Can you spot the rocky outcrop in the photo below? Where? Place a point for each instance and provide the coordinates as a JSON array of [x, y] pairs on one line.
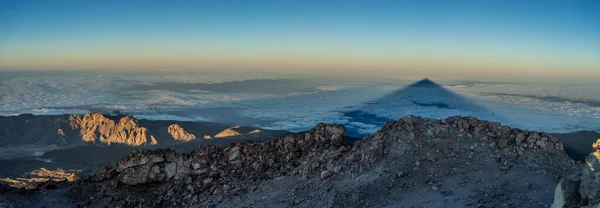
[[582, 190], [566, 194], [32, 179], [230, 132], [179, 134], [329, 134], [95, 127], [590, 178], [403, 155]]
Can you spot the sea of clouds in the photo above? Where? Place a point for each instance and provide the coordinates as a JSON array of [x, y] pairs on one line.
[[278, 102]]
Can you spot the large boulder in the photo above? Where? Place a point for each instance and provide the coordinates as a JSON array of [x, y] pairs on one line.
[[567, 194], [328, 133]]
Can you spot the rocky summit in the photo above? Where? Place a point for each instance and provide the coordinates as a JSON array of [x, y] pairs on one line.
[[410, 162]]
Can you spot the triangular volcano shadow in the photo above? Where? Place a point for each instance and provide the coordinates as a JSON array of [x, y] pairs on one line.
[[423, 98]]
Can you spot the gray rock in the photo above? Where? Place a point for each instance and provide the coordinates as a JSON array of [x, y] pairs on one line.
[[566, 194], [170, 169], [520, 138], [503, 142], [540, 144], [326, 174], [533, 138], [234, 153], [590, 181], [325, 133]]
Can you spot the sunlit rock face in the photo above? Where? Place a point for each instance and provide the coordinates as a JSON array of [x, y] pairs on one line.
[[31, 179], [179, 134], [94, 127], [228, 132], [590, 178]]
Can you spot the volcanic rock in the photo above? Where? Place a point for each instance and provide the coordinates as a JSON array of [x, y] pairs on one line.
[[567, 194], [230, 132], [299, 170], [590, 181], [179, 134], [95, 127]]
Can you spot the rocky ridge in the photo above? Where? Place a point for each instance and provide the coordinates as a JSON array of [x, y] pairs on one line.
[[41, 175], [228, 132], [179, 134], [458, 161], [95, 127]]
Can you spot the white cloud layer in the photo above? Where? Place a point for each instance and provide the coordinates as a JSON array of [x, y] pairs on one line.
[[545, 108]]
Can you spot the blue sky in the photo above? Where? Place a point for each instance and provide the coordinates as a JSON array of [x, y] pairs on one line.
[[389, 37]]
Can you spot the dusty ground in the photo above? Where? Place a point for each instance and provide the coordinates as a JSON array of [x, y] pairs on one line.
[[481, 182]]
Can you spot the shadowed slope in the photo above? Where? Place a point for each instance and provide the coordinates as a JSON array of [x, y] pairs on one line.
[[422, 98]]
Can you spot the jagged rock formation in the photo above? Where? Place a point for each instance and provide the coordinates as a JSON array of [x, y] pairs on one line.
[[454, 162], [179, 134], [66, 130], [590, 181], [94, 127], [35, 177], [230, 132]]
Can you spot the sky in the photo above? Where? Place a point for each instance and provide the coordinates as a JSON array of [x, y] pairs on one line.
[[502, 40]]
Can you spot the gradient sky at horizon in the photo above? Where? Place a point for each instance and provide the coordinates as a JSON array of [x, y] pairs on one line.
[[466, 39]]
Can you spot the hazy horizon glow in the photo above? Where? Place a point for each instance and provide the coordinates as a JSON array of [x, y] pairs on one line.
[[503, 39]]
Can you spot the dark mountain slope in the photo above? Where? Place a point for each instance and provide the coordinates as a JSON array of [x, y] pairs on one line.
[[455, 162]]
